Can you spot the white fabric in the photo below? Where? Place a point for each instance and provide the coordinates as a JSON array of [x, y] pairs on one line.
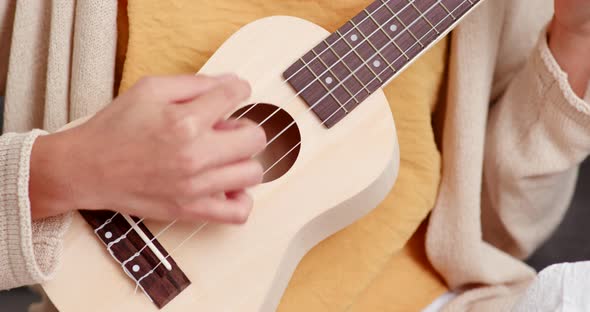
[[440, 302], [558, 288]]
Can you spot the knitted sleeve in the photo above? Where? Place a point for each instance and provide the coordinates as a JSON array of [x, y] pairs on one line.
[[29, 251], [538, 134]]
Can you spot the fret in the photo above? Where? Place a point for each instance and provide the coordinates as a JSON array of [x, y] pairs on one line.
[[415, 20], [345, 64], [377, 50], [433, 12], [309, 89], [398, 45], [355, 62], [425, 18], [382, 15], [317, 78], [401, 50], [355, 50], [381, 47], [394, 15], [457, 7], [419, 24], [332, 71], [336, 77], [406, 13], [447, 9], [349, 69], [370, 49]]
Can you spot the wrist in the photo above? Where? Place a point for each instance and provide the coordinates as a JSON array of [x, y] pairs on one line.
[[571, 48], [50, 187]]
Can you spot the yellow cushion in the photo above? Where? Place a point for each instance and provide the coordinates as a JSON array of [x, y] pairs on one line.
[[368, 266]]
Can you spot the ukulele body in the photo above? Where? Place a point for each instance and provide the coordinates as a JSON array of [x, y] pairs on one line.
[[338, 176]]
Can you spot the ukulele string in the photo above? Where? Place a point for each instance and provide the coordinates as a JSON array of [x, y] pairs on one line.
[[329, 47], [291, 99], [295, 96], [115, 214], [122, 237], [259, 247], [113, 255], [152, 240], [167, 227], [195, 232], [410, 2], [437, 24], [377, 53], [202, 226], [252, 62], [198, 229], [361, 90], [340, 59], [105, 223]]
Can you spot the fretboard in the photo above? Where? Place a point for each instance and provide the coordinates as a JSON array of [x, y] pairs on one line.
[[368, 51]]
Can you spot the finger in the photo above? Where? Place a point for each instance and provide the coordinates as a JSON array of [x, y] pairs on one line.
[[177, 89], [231, 124], [216, 104], [229, 146], [233, 209], [236, 176]]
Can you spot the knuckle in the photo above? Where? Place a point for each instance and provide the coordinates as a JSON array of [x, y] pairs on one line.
[[241, 213], [253, 139], [259, 138], [213, 212], [246, 90], [197, 211], [182, 127], [177, 207], [236, 91], [170, 117], [256, 173], [229, 93]]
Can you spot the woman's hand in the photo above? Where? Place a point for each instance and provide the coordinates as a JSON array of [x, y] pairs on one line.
[[160, 150], [569, 41]]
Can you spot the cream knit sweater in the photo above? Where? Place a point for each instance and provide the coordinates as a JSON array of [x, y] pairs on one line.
[[59, 56], [514, 134]]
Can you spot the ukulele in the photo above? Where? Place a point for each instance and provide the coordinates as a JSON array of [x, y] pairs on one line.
[[331, 157]]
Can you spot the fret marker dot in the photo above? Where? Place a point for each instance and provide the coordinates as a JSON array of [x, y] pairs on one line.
[[329, 80], [354, 38], [108, 235], [393, 27], [135, 268], [376, 63]]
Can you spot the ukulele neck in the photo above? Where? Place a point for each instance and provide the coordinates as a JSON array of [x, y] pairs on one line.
[[368, 51]]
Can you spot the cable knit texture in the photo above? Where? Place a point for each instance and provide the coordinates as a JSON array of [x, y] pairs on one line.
[[59, 56], [30, 250]]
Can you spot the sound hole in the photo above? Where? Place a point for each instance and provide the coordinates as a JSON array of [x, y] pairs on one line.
[[280, 155]]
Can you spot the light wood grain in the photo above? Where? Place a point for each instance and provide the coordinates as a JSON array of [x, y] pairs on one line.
[[339, 176]]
